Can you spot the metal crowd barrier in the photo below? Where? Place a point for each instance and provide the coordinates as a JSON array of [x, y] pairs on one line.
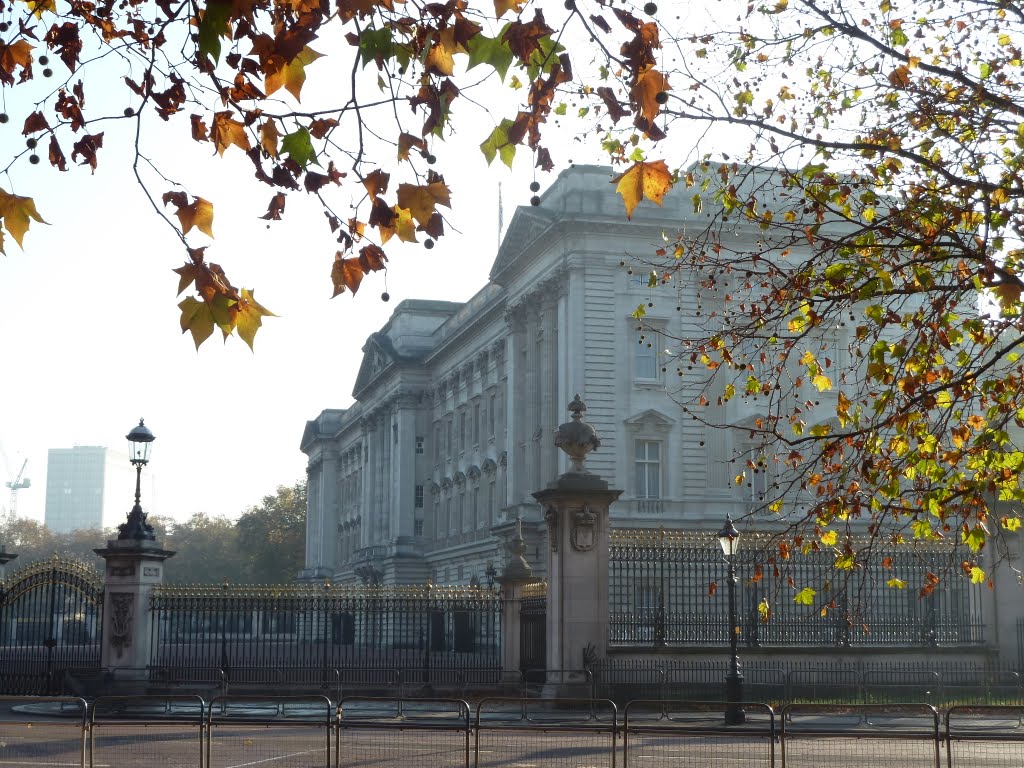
[[446, 733], [678, 734]]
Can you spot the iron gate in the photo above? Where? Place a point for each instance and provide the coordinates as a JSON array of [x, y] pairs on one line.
[[533, 615], [50, 622]]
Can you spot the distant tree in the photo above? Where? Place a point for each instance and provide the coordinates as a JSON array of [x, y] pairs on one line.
[[206, 551], [32, 541], [272, 535]]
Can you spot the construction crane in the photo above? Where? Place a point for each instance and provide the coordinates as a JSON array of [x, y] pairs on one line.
[[19, 482]]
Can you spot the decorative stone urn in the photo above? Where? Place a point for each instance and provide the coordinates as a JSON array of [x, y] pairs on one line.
[[577, 438]]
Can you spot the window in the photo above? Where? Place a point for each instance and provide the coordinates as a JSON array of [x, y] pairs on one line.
[[646, 363], [419, 445], [450, 446], [462, 431], [417, 528], [648, 469], [492, 418], [476, 423], [419, 497]]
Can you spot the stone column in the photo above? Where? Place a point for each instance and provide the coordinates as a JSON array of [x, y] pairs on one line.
[[133, 568], [576, 511]]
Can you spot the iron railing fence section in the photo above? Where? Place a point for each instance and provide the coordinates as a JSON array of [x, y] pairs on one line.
[[331, 627], [664, 592]]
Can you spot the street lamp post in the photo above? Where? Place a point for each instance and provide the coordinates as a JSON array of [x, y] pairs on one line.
[[136, 527], [729, 538]]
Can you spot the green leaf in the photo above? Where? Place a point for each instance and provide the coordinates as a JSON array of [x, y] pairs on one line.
[[498, 144], [490, 50], [376, 45], [299, 147], [974, 539], [212, 27]]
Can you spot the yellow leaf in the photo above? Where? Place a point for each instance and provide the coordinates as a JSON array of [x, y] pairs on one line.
[[197, 317], [822, 382], [805, 596], [269, 136], [764, 610], [645, 92], [896, 583], [503, 6], [292, 75], [249, 318], [440, 59], [421, 200], [644, 180], [1011, 523], [829, 538], [16, 212], [404, 225], [977, 575]]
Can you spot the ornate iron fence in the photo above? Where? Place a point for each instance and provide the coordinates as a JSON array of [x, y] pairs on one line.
[[50, 622], [240, 628], [664, 591]]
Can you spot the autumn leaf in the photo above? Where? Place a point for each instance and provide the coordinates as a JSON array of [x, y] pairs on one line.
[[249, 317], [376, 183], [196, 318], [17, 213], [421, 200], [406, 141], [644, 180], [645, 92], [501, 7], [805, 596], [16, 54], [290, 75], [198, 213], [227, 131], [441, 56], [404, 226], [346, 273], [269, 137]]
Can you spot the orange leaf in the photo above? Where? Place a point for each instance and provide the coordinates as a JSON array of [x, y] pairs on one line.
[[16, 212], [645, 92], [440, 58], [406, 142], [346, 273], [501, 7], [643, 180], [376, 183], [227, 131], [17, 54], [269, 136], [198, 213]]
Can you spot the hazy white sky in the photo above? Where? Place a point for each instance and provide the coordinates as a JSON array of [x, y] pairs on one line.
[[90, 342]]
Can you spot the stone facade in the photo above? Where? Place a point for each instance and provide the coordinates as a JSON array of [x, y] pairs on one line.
[[456, 404]]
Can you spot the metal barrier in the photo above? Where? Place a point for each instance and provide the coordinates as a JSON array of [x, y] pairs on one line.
[[559, 683], [43, 731], [902, 687], [367, 730], [569, 733], [658, 733], [984, 736], [904, 735], [129, 730], [284, 730]]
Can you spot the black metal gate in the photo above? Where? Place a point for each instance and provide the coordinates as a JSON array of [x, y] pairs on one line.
[[533, 619], [50, 622]]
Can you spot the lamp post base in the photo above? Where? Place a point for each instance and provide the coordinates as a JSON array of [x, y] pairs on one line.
[[734, 714]]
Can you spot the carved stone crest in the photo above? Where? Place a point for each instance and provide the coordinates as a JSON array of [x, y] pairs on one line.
[[121, 621], [583, 533]]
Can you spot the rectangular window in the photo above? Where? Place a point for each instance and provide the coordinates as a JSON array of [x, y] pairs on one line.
[[478, 513], [417, 528], [648, 469], [419, 445], [462, 431], [476, 423], [437, 442], [492, 418], [450, 446], [419, 497], [646, 365]]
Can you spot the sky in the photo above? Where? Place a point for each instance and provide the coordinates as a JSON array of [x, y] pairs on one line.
[[90, 341]]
